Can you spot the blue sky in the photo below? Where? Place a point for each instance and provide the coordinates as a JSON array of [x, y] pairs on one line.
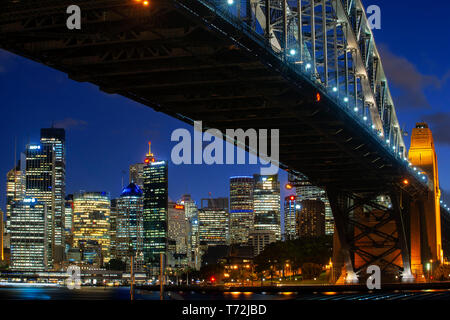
[[106, 133]]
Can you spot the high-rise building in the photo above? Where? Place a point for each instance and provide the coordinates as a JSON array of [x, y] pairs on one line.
[[311, 220], [178, 227], [15, 189], [307, 191], [91, 220], [130, 225], [155, 209], [266, 204], [28, 235], [68, 215], [137, 174], [241, 209], [213, 226], [113, 229], [55, 138], [190, 207], [39, 184], [292, 209]]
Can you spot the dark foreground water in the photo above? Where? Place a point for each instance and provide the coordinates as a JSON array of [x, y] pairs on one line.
[[123, 293]]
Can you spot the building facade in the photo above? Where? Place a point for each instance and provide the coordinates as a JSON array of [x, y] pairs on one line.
[[178, 227], [213, 226], [91, 220], [28, 230], [266, 204], [311, 220], [292, 208], [241, 209], [155, 209], [130, 225]]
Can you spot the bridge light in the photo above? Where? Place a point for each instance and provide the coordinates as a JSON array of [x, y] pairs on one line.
[[335, 89], [388, 141], [415, 169], [406, 182], [356, 109], [373, 127], [365, 118], [308, 66], [345, 99], [293, 52], [230, 2], [380, 134], [441, 201]]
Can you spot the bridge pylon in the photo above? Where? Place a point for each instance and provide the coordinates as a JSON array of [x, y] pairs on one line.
[[426, 239]]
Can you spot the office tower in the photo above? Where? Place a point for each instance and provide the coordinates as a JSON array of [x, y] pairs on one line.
[[311, 220], [91, 214], [266, 204], [28, 235], [113, 229], [241, 209], [259, 239], [190, 207], [39, 184], [15, 189], [155, 209], [292, 209], [55, 138], [213, 226], [137, 174], [306, 191], [178, 227], [130, 225], [68, 214]]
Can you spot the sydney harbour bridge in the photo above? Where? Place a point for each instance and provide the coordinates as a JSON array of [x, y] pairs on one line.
[[309, 68]]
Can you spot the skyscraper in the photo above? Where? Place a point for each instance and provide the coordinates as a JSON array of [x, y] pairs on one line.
[[178, 227], [15, 189], [40, 166], [129, 225], [292, 209], [28, 235], [213, 226], [307, 191], [155, 209], [266, 195], [55, 138], [68, 215], [190, 207], [241, 209], [311, 220], [91, 220]]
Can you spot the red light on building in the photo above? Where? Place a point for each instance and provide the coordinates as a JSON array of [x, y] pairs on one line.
[[292, 198], [289, 186], [147, 160], [212, 279], [405, 182], [179, 206], [153, 159]]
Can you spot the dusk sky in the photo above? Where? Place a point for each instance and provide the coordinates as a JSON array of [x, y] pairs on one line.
[[107, 133]]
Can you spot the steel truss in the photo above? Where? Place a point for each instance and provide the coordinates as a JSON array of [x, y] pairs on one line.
[[332, 40], [373, 229]]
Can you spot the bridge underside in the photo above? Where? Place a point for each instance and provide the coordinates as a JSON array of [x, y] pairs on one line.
[[202, 68], [179, 58]]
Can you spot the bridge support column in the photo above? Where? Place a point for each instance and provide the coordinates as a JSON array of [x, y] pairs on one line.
[[342, 251]]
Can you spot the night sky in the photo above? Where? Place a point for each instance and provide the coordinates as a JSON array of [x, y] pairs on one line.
[[107, 133]]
